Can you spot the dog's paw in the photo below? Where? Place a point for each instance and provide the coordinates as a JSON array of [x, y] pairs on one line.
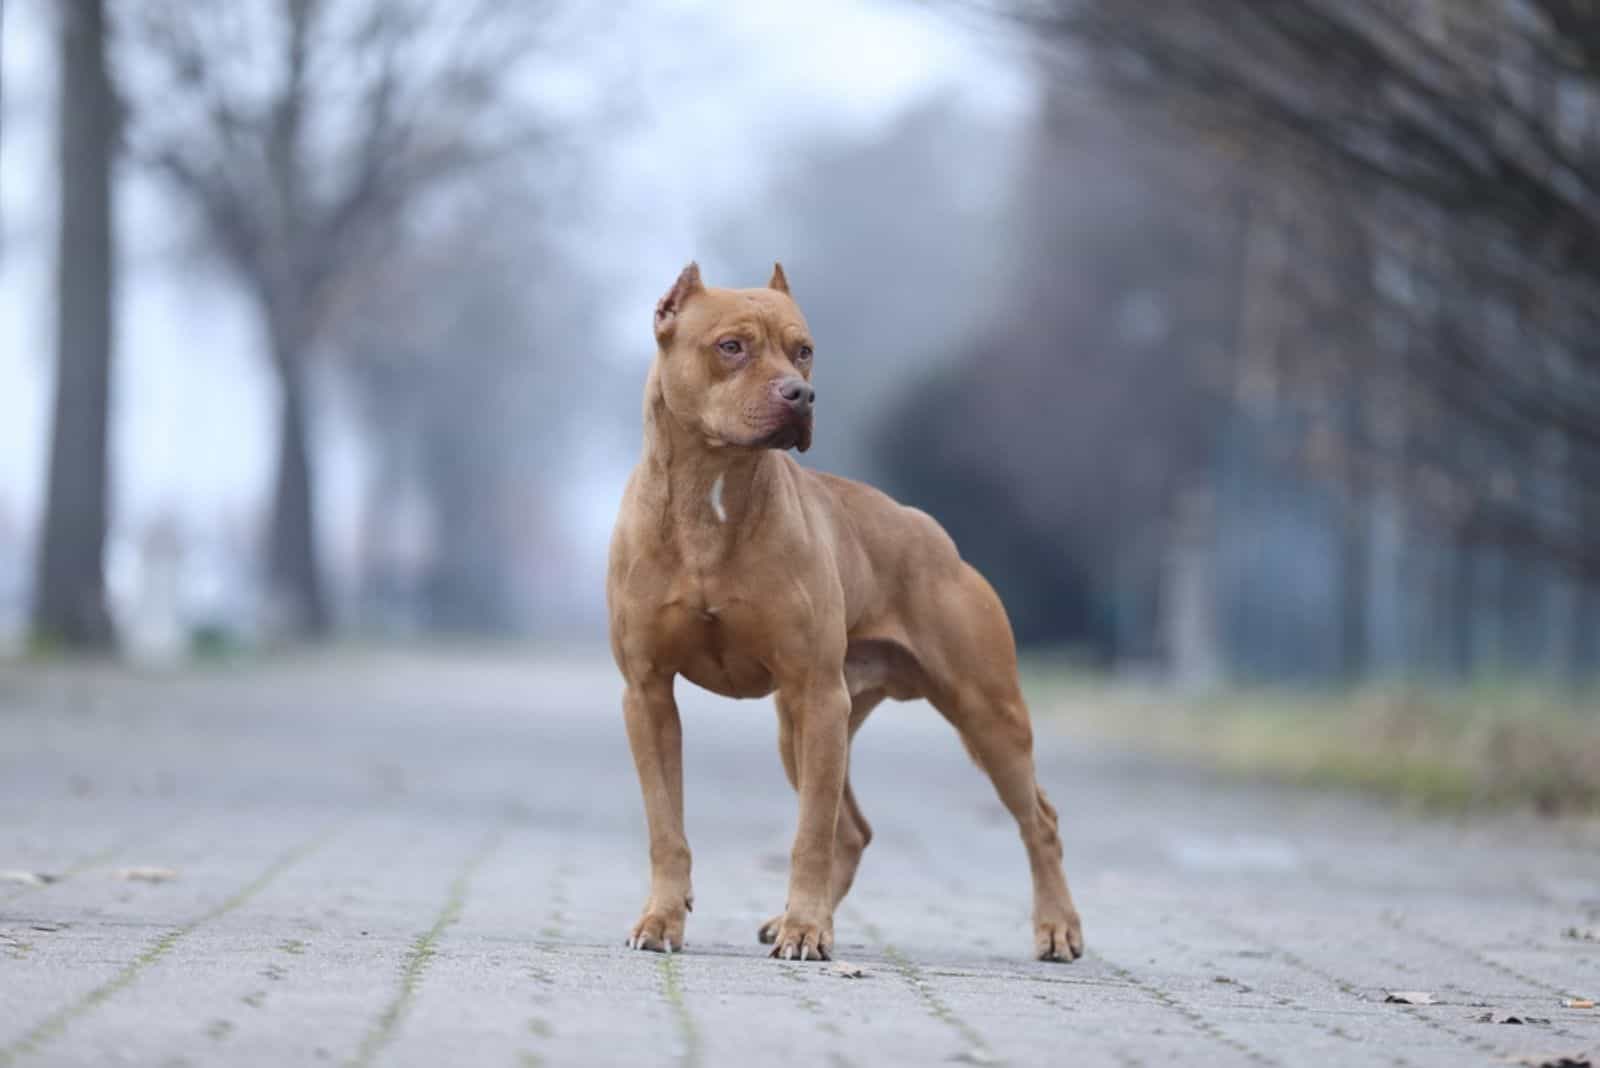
[[767, 933], [1059, 936], [796, 939], [658, 931]]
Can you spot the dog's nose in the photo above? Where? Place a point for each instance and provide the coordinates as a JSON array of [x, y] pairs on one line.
[[797, 393]]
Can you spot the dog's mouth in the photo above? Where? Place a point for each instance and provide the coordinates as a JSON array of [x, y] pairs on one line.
[[792, 434], [781, 430]]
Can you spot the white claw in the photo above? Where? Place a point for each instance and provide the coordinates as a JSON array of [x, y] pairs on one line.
[[805, 952], [788, 952], [668, 943]]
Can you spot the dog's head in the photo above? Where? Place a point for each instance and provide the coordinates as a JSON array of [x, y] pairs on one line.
[[735, 364]]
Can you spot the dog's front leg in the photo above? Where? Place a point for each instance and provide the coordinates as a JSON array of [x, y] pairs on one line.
[[656, 737], [814, 719]]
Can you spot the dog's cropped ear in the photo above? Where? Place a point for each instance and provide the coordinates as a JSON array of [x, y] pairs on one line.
[[670, 306], [779, 281]]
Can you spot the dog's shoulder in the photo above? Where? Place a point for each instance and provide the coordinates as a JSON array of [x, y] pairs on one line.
[[847, 491], [885, 523]]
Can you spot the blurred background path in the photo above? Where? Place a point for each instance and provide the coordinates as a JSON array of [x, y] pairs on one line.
[[383, 858]]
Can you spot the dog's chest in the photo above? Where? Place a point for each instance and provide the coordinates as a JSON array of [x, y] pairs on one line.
[[714, 639]]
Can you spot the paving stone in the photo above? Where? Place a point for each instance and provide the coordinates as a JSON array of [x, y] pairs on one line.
[[432, 859]]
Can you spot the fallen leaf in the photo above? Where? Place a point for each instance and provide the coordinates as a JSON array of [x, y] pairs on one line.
[[846, 970], [1578, 1003], [1583, 934], [1510, 1018], [1555, 1060], [146, 875], [48, 928], [1410, 997], [27, 878]]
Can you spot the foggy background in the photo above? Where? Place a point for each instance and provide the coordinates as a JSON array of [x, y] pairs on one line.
[[1237, 342]]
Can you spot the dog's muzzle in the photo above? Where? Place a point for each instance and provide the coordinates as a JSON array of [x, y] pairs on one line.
[[796, 397]]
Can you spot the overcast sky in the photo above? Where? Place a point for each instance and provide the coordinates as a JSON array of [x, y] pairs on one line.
[[723, 92]]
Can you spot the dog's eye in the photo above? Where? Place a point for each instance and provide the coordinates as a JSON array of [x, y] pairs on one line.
[[804, 355], [731, 347]]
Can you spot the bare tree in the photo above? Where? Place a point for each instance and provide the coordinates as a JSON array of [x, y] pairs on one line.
[[461, 352], [70, 604], [1466, 139], [301, 131], [2, 98], [1085, 403]]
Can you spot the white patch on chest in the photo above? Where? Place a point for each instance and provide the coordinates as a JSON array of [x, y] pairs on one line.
[[716, 501]]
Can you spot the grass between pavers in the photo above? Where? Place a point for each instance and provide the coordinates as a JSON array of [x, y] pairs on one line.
[[1485, 745], [683, 1019], [56, 1024], [423, 949]]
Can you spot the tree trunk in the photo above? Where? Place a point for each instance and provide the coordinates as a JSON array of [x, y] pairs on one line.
[[467, 591], [1464, 608], [1584, 620], [294, 579], [2, 103], [1354, 570], [70, 604]]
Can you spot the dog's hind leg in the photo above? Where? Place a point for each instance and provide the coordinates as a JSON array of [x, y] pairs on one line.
[[982, 699], [852, 833], [1000, 741]]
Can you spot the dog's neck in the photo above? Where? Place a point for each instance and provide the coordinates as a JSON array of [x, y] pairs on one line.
[[707, 491]]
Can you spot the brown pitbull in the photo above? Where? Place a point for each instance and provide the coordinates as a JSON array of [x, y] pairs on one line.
[[747, 574]]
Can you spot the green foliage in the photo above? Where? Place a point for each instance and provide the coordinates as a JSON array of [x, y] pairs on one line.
[[42, 644], [215, 642], [1496, 743]]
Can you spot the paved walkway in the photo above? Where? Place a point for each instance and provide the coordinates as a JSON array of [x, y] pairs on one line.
[[376, 859]]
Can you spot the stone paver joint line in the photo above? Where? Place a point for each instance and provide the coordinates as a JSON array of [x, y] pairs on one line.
[[56, 1024], [810, 1004], [1190, 1016], [672, 991], [387, 1025], [1344, 986], [465, 912], [1398, 923], [1401, 924], [932, 1003]]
